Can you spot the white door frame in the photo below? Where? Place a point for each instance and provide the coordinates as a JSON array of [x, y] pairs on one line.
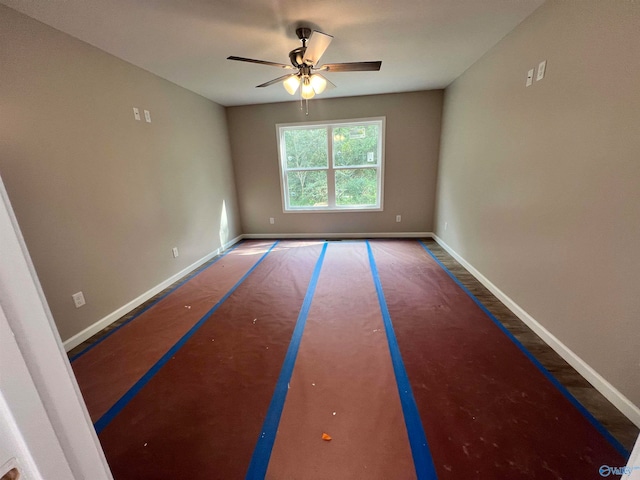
[[27, 440], [37, 338]]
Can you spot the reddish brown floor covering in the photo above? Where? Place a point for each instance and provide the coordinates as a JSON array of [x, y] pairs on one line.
[[487, 411], [343, 366], [108, 370], [200, 416]]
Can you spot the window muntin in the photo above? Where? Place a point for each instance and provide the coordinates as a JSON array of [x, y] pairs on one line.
[[351, 181]]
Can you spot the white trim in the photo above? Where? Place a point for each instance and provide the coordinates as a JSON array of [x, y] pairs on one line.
[[358, 209], [91, 330], [26, 429], [263, 236], [631, 411]]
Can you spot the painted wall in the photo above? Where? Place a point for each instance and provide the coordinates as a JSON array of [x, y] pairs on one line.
[[539, 187], [411, 158], [101, 198]]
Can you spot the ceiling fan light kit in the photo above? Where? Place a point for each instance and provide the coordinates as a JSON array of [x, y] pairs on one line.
[[291, 84], [319, 83], [307, 91], [305, 59]]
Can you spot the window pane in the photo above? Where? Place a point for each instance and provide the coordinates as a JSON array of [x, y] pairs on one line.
[[355, 145], [307, 188], [356, 186], [306, 147]]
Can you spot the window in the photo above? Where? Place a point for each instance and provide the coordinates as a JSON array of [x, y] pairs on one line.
[[332, 166]]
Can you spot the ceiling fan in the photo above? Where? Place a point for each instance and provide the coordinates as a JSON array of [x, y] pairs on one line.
[[305, 59]]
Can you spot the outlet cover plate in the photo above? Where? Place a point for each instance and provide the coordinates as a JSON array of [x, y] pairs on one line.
[[542, 67], [78, 299]]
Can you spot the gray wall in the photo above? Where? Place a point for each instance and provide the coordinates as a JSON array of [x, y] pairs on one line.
[[411, 158], [540, 186], [101, 199]]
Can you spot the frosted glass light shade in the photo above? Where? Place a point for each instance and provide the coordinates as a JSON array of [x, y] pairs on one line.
[[291, 84], [307, 90], [318, 83]]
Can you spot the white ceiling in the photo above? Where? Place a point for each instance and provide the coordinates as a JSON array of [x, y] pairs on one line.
[[423, 44]]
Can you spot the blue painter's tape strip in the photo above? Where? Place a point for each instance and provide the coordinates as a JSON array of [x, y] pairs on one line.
[[132, 392], [422, 459], [612, 440], [262, 453], [97, 342]]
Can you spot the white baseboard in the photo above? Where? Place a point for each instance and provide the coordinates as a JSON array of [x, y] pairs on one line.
[[321, 235], [91, 330], [631, 411]]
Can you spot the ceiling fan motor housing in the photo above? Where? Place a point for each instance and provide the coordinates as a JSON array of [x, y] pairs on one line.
[[296, 56]]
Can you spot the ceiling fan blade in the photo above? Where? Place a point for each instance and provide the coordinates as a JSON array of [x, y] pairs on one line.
[[352, 67], [260, 62], [318, 43], [276, 80]]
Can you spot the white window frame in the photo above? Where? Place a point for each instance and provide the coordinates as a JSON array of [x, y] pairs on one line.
[[331, 168]]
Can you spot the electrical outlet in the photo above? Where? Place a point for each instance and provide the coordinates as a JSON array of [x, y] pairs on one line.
[[174, 250], [147, 116], [446, 224], [272, 220], [78, 299], [136, 113], [398, 218]]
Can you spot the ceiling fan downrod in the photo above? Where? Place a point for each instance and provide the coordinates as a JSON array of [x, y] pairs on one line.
[[303, 34]]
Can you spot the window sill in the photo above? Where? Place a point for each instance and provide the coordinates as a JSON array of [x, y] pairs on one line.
[[334, 210]]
